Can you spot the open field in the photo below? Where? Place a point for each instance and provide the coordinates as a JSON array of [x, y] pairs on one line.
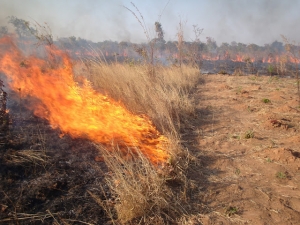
[[116, 113]]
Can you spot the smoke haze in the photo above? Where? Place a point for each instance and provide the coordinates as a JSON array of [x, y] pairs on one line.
[[256, 21]]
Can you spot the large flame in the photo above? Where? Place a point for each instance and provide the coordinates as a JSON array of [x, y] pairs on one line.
[[78, 110]]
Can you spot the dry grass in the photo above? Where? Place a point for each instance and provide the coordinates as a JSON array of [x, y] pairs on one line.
[[140, 189], [143, 191]]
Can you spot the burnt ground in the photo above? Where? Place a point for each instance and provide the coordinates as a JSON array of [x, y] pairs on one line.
[[257, 67], [45, 178]]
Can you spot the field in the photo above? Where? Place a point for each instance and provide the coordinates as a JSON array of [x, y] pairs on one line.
[[211, 149]]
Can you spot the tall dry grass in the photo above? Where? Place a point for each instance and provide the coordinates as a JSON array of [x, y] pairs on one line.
[[143, 190]]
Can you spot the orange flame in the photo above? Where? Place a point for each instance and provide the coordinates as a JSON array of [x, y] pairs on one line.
[[238, 58], [78, 110]]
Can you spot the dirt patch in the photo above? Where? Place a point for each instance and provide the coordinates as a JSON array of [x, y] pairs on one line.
[[248, 144], [280, 155]]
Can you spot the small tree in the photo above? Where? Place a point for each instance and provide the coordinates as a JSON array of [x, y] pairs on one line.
[[195, 57]]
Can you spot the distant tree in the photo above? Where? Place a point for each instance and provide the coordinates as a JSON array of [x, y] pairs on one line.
[[72, 39], [171, 46], [203, 47], [22, 27], [233, 44], [224, 46], [211, 44], [159, 42], [267, 47], [24, 30], [253, 47], [3, 31], [159, 30], [82, 42], [241, 47], [194, 47], [277, 46], [234, 47], [124, 44], [224, 50]]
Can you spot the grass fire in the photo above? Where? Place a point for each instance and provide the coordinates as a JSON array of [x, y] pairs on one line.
[[78, 110], [163, 124]]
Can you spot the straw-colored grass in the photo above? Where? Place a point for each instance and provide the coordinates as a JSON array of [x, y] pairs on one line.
[[142, 189]]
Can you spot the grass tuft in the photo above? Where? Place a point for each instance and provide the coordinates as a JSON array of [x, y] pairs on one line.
[[249, 134], [141, 188], [266, 100]]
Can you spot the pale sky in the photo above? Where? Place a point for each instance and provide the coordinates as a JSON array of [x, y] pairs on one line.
[[247, 21]]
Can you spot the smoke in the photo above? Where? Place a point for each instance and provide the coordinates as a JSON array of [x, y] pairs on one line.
[[256, 21]]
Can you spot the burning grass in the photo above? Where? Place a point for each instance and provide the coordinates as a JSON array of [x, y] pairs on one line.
[[165, 98], [143, 191], [134, 116], [79, 110]]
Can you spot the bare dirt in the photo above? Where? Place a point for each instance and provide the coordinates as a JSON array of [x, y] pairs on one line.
[[246, 137]]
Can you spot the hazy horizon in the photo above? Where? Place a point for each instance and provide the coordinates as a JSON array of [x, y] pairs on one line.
[[258, 22]]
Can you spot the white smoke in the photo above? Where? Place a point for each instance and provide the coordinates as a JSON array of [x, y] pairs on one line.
[[256, 21]]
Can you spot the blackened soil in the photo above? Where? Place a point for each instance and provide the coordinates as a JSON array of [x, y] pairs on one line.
[[46, 179]]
